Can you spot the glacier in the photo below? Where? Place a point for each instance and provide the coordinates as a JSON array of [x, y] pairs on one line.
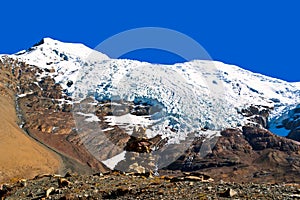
[[194, 95]]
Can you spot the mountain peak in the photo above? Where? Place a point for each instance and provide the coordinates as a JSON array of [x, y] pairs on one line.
[[46, 40], [49, 50]]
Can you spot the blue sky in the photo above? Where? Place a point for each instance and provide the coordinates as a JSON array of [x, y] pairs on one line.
[[256, 35]]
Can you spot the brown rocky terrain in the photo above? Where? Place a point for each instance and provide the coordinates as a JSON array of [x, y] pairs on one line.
[[118, 185], [20, 156], [19, 88], [251, 154], [41, 114]]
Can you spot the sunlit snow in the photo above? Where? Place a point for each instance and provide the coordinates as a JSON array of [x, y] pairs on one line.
[[202, 94]]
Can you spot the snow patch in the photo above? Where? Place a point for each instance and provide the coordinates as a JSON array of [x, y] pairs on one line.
[[128, 122], [25, 94], [91, 117], [113, 161]]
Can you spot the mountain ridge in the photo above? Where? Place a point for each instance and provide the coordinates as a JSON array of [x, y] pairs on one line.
[[51, 54]]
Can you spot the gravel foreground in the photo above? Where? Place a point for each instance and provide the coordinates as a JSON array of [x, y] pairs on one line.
[[116, 185]]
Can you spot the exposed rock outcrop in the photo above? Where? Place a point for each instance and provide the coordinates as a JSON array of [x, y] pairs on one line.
[[243, 155], [293, 124]]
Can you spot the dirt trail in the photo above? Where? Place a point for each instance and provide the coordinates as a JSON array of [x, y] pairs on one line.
[[21, 156], [67, 164]]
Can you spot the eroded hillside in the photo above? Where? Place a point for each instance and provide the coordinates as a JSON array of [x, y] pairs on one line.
[[20, 156]]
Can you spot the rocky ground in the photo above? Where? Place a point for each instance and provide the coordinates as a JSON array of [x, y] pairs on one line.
[[117, 185]]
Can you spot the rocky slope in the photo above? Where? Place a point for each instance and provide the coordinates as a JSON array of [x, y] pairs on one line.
[[251, 154], [39, 114], [20, 156]]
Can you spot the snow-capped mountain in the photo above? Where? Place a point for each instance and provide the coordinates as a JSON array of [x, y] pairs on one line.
[[136, 116], [193, 95]]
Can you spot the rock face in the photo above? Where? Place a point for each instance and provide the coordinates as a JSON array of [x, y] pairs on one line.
[[251, 154], [261, 139], [294, 134], [293, 124], [288, 123], [256, 115]]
